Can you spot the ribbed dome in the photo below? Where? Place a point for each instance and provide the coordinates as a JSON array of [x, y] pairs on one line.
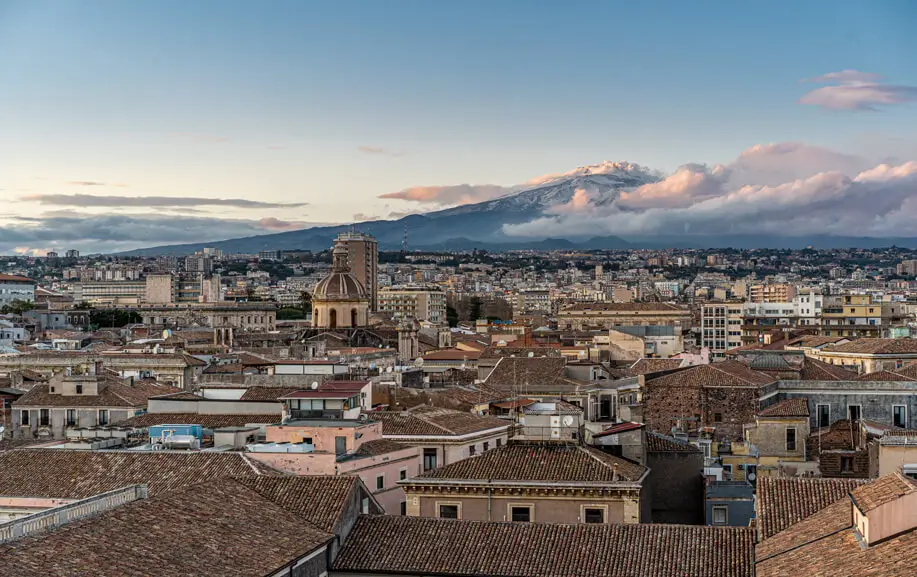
[[339, 286]]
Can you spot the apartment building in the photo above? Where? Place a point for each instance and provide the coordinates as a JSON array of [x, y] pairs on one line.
[[363, 257], [859, 315], [16, 288], [721, 327], [771, 293], [418, 302], [583, 316], [529, 301]]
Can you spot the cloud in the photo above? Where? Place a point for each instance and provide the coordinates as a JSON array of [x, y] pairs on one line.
[[378, 150], [86, 183], [89, 200], [271, 223], [450, 195], [855, 90], [360, 217], [876, 201], [396, 214]]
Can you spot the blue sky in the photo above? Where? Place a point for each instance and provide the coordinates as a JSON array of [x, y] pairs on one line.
[[335, 103]]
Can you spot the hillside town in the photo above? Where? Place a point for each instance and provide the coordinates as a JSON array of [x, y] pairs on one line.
[[355, 412]]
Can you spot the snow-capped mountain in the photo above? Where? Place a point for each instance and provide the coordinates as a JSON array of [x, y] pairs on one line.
[[603, 182], [477, 224]]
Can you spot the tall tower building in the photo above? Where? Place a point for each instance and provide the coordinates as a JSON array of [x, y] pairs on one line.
[[363, 258]]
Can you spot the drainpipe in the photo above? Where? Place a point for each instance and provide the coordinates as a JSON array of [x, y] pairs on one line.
[[490, 506]]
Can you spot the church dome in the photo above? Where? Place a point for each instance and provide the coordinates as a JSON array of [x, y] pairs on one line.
[[340, 285]]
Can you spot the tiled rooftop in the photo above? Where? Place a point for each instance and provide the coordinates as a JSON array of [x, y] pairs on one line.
[[875, 347], [540, 462], [881, 491], [208, 421], [221, 528], [427, 546], [76, 474], [424, 420], [658, 443], [787, 408], [722, 374], [784, 502]]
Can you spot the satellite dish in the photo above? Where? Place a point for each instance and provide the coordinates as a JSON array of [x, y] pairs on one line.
[[418, 362], [531, 354], [166, 334], [2, 430], [314, 385], [751, 477], [568, 420]]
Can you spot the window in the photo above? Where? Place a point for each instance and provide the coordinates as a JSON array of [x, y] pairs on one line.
[[103, 416], [79, 389], [727, 472], [593, 515], [44, 417], [717, 417], [471, 450], [899, 416], [429, 459], [846, 464], [853, 413], [824, 415], [380, 482], [365, 507], [486, 446], [448, 511], [499, 443], [404, 508], [720, 516], [71, 417], [307, 440], [24, 418], [520, 514], [402, 474], [791, 439]]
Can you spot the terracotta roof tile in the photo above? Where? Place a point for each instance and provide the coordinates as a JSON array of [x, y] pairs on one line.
[[224, 528], [646, 366], [657, 443], [320, 499], [875, 347], [883, 376], [112, 395], [380, 447], [425, 420], [75, 474], [208, 421], [881, 491], [722, 374], [548, 462], [816, 370], [787, 408], [826, 544], [418, 545], [784, 502]]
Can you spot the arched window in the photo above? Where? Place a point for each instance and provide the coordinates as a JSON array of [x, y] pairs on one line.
[[334, 319], [353, 318], [316, 320]]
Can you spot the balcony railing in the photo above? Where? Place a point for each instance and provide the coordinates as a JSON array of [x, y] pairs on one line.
[[57, 516], [317, 414]]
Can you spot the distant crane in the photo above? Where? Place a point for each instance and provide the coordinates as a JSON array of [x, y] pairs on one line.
[[404, 240]]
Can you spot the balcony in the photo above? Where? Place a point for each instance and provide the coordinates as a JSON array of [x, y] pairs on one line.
[[317, 414]]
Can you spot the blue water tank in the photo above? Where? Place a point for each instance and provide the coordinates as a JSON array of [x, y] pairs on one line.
[[156, 431]]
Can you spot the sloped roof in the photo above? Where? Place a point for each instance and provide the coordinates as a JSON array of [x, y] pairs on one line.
[[429, 546], [424, 420], [881, 491], [76, 474], [875, 347], [783, 502], [551, 462], [816, 370], [646, 366], [320, 499], [826, 544], [112, 395], [883, 376], [208, 421], [657, 443], [224, 528], [787, 408], [722, 374]]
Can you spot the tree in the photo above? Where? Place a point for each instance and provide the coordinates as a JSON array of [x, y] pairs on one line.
[[452, 317], [474, 310], [113, 318], [16, 307], [305, 301]]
